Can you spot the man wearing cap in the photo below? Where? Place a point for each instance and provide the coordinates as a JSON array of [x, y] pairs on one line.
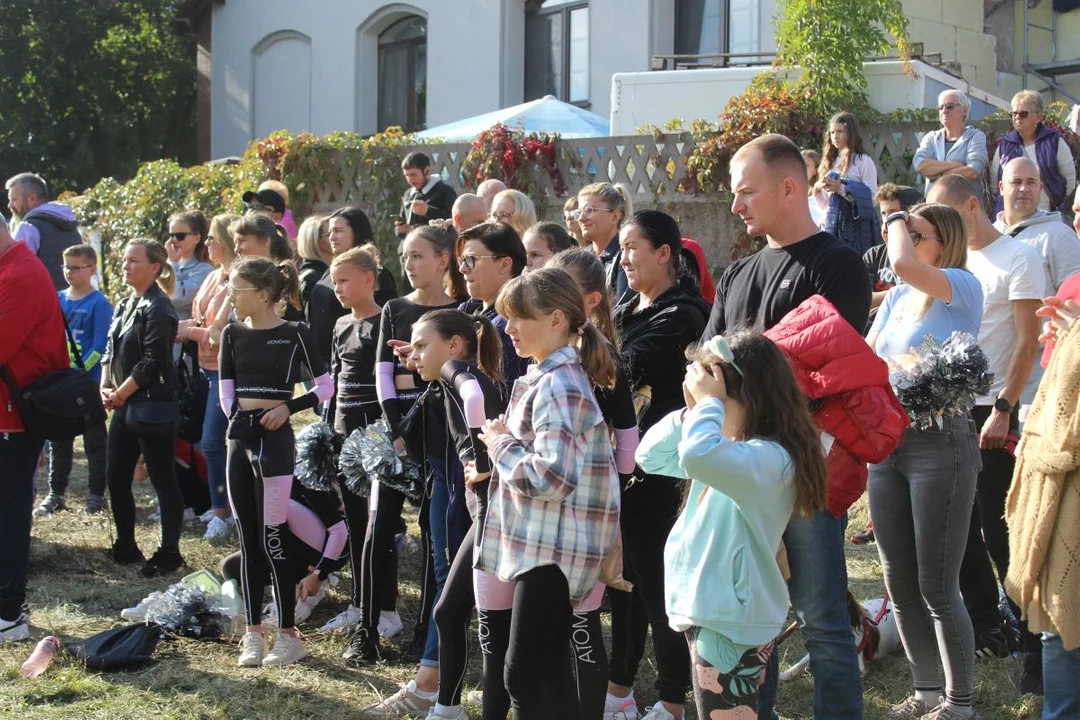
[[266, 201]]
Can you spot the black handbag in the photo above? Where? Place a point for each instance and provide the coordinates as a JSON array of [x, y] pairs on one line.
[[151, 418], [123, 647], [193, 396], [60, 404]]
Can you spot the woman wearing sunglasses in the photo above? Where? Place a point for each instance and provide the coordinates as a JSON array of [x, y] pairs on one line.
[[1043, 145], [921, 495], [188, 256], [955, 149]]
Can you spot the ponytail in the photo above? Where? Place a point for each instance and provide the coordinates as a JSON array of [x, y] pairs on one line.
[[290, 292], [166, 279], [489, 348], [597, 357]]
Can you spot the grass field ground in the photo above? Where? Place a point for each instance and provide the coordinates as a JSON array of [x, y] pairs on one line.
[[75, 591]]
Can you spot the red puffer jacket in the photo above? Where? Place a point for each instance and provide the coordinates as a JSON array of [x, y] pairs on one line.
[[856, 406]]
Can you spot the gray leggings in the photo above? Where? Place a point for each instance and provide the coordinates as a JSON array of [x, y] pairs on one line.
[[921, 499]]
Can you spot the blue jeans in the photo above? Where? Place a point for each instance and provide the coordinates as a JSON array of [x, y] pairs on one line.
[[1061, 680], [438, 505], [215, 426], [815, 550]]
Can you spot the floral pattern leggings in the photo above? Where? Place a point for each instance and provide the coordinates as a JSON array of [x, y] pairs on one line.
[[726, 675]]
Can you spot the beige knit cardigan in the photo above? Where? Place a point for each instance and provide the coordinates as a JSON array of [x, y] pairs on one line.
[[1043, 506]]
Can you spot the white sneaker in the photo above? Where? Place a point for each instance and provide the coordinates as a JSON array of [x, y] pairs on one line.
[[617, 708], [344, 621], [13, 630], [252, 650], [390, 624], [218, 529], [409, 701], [205, 517], [657, 712], [451, 713], [305, 607], [287, 650], [137, 613], [474, 697]]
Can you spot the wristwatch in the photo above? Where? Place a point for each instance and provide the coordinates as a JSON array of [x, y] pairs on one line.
[[899, 215], [1003, 405]]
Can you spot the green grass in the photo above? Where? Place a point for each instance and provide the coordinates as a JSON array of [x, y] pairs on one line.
[[75, 592]]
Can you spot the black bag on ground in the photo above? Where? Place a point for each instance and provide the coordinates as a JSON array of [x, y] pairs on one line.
[[194, 394], [119, 648], [60, 404]]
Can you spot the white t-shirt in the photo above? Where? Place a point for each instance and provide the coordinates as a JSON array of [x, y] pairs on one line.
[[1008, 270]]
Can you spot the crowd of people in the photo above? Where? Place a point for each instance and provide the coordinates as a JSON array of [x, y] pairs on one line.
[[597, 425]]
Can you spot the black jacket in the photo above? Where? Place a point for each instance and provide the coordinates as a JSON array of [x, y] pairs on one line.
[[311, 271], [140, 345], [440, 200], [653, 344]]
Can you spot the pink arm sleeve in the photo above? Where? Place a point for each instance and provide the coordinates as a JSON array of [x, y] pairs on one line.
[[324, 387], [472, 397], [227, 395], [384, 381], [626, 442], [336, 537]]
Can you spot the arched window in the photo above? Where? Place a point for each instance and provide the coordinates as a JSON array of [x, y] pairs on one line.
[[403, 74], [557, 50]]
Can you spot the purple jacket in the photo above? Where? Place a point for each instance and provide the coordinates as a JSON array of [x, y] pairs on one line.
[[1046, 146]]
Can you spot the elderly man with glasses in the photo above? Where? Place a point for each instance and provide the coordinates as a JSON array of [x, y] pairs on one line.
[[956, 149], [1043, 145]]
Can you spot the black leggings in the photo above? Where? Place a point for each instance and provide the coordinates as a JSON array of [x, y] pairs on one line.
[[590, 663], [378, 584], [122, 455], [452, 615], [649, 510], [259, 479], [537, 672]]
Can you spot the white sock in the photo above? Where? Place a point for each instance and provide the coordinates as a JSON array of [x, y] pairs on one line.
[[387, 614], [930, 697], [961, 710], [446, 710], [616, 700], [421, 693]]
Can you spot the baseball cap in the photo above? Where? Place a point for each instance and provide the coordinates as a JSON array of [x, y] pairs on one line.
[[268, 198]]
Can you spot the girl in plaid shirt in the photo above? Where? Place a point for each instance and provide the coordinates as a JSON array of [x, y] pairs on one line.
[[554, 497]]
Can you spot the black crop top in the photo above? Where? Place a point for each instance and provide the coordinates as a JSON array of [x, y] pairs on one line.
[[266, 364], [352, 365]]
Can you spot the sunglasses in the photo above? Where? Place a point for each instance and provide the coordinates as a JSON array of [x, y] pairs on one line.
[[947, 106], [468, 262], [502, 217], [178, 236], [233, 290], [1021, 114]]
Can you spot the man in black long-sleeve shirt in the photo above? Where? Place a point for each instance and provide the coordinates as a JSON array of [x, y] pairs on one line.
[[428, 197], [768, 178]]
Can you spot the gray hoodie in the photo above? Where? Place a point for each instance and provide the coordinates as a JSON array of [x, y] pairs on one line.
[[1056, 243]]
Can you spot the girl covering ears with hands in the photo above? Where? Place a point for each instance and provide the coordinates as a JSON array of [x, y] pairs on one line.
[[747, 443]]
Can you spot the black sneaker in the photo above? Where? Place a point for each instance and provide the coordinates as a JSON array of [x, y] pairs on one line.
[[1031, 682], [125, 554], [51, 504], [363, 647], [95, 504], [162, 562], [992, 643]]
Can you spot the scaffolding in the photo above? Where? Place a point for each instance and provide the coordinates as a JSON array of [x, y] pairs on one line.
[[1047, 72]]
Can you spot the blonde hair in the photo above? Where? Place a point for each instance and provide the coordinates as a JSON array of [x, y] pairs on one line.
[[365, 257], [950, 229], [546, 290], [219, 227], [524, 210], [616, 197], [307, 237], [1029, 96], [157, 254], [279, 188]]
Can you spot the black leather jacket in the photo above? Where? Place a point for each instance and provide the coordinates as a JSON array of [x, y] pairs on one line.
[[142, 345]]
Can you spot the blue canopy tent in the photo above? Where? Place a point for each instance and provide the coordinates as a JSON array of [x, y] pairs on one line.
[[548, 114]]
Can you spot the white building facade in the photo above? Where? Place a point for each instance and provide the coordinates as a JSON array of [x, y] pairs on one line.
[[363, 65]]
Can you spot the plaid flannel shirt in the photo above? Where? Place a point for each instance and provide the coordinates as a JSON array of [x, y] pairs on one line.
[[554, 498]]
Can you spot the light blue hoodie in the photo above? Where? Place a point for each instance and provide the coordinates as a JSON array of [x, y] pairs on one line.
[[720, 570]]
